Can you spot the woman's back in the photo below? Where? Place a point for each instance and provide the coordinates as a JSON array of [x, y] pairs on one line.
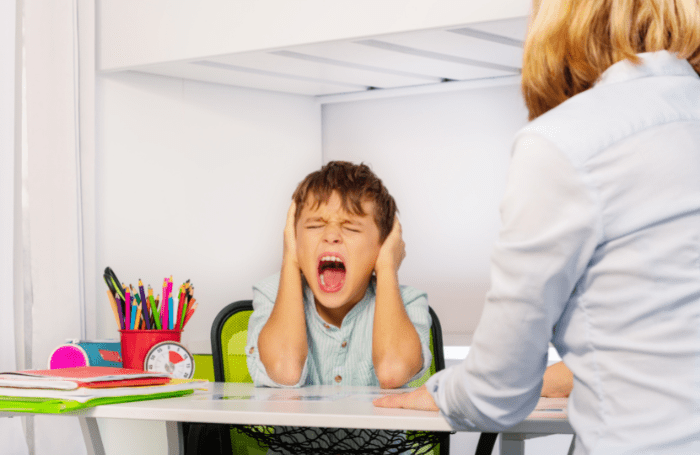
[[631, 330]]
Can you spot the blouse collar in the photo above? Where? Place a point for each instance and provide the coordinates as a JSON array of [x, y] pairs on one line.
[[660, 63]]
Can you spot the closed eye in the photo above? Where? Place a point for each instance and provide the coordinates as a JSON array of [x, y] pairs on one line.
[[351, 228]]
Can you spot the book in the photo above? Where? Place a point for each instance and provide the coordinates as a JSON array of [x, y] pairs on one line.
[[86, 377], [84, 394], [14, 399]]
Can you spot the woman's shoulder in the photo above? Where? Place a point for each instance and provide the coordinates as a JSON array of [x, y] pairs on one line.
[[599, 117]]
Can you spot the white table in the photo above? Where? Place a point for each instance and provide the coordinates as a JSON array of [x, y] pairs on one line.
[[331, 406]]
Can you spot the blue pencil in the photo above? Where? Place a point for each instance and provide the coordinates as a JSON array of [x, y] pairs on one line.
[[171, 314], [127, 310], [134, 308]]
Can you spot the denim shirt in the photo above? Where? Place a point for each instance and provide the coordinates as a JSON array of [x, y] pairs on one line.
[[337, 355]]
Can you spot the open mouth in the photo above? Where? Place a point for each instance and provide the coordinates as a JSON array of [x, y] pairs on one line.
[[331, 272]]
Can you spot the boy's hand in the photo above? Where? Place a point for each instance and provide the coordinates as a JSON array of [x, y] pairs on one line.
[[393, 250], [558, 381], [290, 237]]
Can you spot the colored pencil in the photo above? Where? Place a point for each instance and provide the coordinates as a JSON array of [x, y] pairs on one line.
[[144, 306], [190, 313], [164, 306], [134, 306], [139, 310], [171, 307], [127, 309], [171, 313], [154, 308], [120, 308], [115, 309], [182, 308], [137, 321]]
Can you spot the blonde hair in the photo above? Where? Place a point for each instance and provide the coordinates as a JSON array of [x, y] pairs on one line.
[[570, 43]]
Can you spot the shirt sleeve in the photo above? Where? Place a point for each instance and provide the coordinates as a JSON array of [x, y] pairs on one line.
[[550, 229], [416, 304], [264, 295]]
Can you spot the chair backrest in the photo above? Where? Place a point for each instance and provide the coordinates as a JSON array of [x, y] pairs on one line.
[[229, 333], [436, 348]]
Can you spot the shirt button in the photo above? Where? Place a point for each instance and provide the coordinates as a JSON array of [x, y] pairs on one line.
[[345, 343], [327, 326], [338, 378], [252, 350]]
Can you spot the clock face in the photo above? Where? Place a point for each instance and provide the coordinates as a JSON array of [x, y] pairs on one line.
[[170, 357]]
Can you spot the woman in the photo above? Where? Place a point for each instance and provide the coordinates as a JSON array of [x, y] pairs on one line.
[[600, 246]]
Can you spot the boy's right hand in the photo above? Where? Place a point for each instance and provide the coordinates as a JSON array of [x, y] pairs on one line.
[[290, 237], [392, 251]]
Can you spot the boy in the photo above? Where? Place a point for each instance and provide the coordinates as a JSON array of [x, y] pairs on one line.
[[336, 314]]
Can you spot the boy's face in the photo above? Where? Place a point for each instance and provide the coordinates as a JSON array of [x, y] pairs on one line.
[[337, 252]]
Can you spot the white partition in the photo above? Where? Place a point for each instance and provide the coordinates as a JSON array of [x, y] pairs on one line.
[[444, 158], [133, 32], [194, 180]]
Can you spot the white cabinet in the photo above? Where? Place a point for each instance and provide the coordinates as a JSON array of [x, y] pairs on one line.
[[314, 47]]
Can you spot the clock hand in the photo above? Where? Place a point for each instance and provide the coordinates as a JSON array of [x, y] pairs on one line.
[[174, 357]]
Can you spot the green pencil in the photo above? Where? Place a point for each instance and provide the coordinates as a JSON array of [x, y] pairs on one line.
[[154, 309]]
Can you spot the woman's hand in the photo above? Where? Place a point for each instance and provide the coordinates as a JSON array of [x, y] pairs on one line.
[[419, 399]]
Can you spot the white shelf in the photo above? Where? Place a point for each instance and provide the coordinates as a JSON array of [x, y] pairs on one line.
[[318, 48]]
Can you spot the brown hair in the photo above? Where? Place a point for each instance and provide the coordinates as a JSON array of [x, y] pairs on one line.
[[354, 183], [570, 43]]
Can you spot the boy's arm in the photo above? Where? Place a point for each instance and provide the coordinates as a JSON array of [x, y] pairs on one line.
[[282, 342], [396, 347]]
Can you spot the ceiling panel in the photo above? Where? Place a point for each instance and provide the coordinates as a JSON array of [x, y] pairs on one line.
[[512, 28], [382, 57], [452, 46], [424, 57], [335, 70], [243, 77]]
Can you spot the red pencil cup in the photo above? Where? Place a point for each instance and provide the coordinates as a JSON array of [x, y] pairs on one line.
[[137, 343]]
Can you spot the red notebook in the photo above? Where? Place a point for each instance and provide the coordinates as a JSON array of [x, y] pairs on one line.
[[89, 377]]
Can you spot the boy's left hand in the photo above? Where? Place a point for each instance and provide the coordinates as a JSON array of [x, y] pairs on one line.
[[393, 250]]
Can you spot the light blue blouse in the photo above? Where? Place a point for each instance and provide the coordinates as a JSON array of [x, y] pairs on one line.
[[337, 355], [599, 252]]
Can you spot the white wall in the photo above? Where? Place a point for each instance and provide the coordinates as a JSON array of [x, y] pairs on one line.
[[194, 180], [444, 158]]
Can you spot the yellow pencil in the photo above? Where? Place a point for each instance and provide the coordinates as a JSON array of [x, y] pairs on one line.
[[137, 324], [115, 309]]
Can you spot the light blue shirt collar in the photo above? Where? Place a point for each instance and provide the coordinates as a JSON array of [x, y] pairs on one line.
[[368, 298], [661, 63]]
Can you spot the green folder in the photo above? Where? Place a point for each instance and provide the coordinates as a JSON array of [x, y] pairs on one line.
[[59, 405]]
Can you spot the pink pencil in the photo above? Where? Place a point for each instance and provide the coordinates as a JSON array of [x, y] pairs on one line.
[[171, 310], [164, 306]]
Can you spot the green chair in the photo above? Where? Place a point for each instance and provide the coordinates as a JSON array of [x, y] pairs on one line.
[[229, 334]]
